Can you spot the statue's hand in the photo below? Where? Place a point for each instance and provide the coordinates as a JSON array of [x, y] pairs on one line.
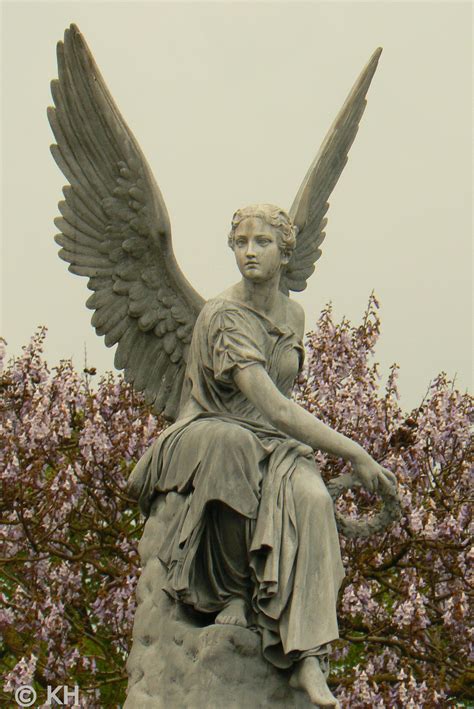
[[372, 475]]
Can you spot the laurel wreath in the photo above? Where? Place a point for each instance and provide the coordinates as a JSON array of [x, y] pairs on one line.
[[365, 526]]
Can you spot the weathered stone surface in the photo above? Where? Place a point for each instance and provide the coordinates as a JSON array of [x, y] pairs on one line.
[[177, 662], [226, 443]]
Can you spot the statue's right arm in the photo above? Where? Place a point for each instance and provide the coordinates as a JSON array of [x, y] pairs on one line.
[[290, 418]]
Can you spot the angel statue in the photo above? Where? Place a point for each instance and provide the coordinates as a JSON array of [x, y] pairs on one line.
[[251, 539]]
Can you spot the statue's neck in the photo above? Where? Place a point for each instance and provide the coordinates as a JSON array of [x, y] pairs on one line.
[[264, 296]]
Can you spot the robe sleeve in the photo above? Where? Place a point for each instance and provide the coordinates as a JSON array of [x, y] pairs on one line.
[[235, 340]]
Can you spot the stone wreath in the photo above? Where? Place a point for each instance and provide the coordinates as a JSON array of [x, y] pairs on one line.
[[364, 526]]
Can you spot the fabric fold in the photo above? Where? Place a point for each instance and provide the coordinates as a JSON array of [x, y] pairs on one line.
[[256, 517]]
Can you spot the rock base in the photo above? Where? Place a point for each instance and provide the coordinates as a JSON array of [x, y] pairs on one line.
[[179, 661]]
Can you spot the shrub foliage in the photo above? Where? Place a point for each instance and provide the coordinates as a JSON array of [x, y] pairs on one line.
[[69, 533]]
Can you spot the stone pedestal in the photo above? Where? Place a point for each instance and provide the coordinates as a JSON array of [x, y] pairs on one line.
[[179, 662]]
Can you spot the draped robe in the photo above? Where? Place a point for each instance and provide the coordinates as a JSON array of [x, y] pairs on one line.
[[232, 464]]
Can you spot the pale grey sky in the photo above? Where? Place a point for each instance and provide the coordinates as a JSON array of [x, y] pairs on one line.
[[230, 102]]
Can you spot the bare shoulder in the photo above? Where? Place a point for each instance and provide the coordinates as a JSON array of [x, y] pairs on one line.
[[296, 317]]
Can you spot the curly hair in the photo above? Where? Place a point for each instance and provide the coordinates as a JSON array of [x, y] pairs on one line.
[[273, 216]]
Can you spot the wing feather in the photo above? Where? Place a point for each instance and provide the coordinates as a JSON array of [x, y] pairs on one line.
[[97, 142], [174, 395], [78, 138], [69, 136], [112, 335], [137, 354], [143, 371], [113, 312], [77, 204], [73, 220], [66, 162], [166, 387], [75, 241], [311, 203], [86, 259], [156, 373], [92, 84], [115, 230], [126, 345]]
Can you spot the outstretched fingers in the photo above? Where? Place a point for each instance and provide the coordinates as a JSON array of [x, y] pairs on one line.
[[388, 475]]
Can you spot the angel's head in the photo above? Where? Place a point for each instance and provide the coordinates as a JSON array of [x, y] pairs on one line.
[[274, 217], [262, 238]]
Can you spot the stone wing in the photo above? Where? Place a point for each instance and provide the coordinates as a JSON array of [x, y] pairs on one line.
[[115, 230], [311, 203]]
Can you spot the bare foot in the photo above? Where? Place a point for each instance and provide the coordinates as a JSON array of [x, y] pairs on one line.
[[235, 613], [309, 677]]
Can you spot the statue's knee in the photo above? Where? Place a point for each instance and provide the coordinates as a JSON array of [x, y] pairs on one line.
[[321, 500], [310, 491], [233, 438], [318, 497]]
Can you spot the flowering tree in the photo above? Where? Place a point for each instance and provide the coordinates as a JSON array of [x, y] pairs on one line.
[[69, 532]]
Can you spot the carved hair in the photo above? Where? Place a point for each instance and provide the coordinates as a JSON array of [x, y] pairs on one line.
[[273, 216]]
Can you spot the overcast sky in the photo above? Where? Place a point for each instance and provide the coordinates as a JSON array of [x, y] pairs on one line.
[[230, 102]]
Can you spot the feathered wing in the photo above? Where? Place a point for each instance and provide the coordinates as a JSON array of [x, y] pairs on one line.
[[311, 203], [115, 230]]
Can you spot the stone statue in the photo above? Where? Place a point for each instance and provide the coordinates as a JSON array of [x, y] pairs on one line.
[[241, 533]]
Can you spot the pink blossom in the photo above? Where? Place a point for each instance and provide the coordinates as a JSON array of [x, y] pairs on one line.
[[69, 534]]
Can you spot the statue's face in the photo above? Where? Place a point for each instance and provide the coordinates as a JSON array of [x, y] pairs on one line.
[[257, 249]]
